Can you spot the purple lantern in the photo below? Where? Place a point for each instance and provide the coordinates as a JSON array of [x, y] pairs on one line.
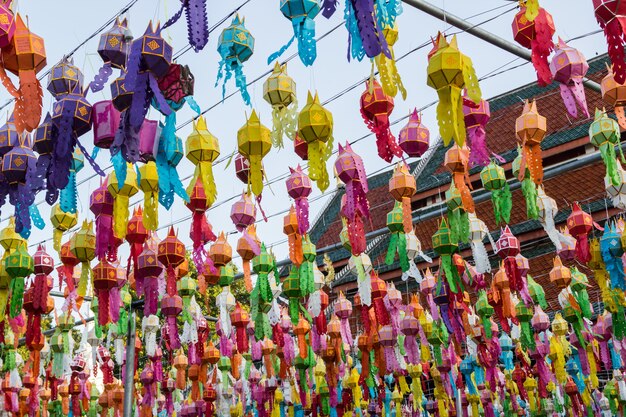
[[243, 212], [7, 23], [113, 46], [414, 137], [106, 121], [476, 118], [65, 78], [299, 187], [18, 167], [149, 140], [121, 97], [568, 67], [9, 138]]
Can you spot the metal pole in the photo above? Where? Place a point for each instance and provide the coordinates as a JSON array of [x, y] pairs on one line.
[[481, 33], [129, 376], [459, 404]]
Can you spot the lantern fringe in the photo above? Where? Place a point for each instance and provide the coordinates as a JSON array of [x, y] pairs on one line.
[[529, 191], [502, 203], [371, 35], [355, 45], [284, 123], [541, 47]]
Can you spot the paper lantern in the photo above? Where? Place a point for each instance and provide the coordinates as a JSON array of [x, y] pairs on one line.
[[569, 67], [200, 231], [147, 272], [476, 117], [376, 107], [279, 90], [177, 83], [389, 75], [106, 121], [121, 192], [446, 247], [355, 208], [604, 133], [202, 150], [449, 71], [402, 187], [83, 246], [65, 78], [617, 193], [478, 231], [614, 94], [299, 188], [114, 43], [235, 46], [560, 275], [315, 127], [301, 13], [248, 246], [301, 148], [7, 26], [171, 253], [457, 160], [533, 28], [397, 241], [18, 265], [121, 97], [149, 184], [136, 234], [149, 135], [243, 212], [292, 230], [612, 251], [580, 224], [104, 279], [493, 179], [221, 253], [609, 14], [529, 188], [25, 56], [101, 205], [414, 138], [530, 129], [253, 143]]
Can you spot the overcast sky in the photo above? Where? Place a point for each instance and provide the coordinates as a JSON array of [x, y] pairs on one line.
[[66, 23]]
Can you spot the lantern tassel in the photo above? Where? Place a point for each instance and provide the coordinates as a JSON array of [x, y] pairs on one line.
[[370, 34], [541, 47], [17, 296], [29, 101]]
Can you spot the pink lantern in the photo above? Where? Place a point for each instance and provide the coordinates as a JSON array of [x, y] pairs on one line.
[[568, 67], [410, 328], [101, 205], [343, 310], [355, 207], [299, 187], [476, 118], [149, 140], [414, 138], [611, 15], [301, 148], [106, 121], [507, 248], [243, 212], [7, 23]]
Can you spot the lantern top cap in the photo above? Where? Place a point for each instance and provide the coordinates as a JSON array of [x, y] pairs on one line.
[[312, 98], [238, 20], [153, 30]]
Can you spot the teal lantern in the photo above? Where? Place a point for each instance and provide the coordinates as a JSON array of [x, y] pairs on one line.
[[235, 46], [397, 240], [301, 14], [604, 134], [446, 246], [493, 179]]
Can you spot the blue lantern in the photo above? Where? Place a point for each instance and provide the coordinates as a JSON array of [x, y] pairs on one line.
[[235, 46], [301, 13]]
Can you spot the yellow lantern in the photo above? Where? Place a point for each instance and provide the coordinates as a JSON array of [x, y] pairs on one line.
[[9, 239], [279, 90], [149, 184], [83, 246], [62, 222], [389, 76], [202, 150], [449, 72], [253, 141], [121, 195], [315, 127]]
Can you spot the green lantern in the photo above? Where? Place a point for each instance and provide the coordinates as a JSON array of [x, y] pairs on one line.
[[579, 285], [493, 179], [307, 268], [529, 188], [446, 246], [227, 275], [261, 296], [525, 314], [536, 292], [187, 287], [574, 317], [459, 221], [18, 265], [224, 366], [604, 134], [485, 312], [292, 290], [397, 241]]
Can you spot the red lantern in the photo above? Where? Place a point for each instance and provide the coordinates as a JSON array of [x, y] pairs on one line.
[[171, 253], [104, 279], [580, 224], [508, 248], [301, 148], [136, 235], [534, 31], [201, 232], [610, 15], [177, 84], [376, 107]]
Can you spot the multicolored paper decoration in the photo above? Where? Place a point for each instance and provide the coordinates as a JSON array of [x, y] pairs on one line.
[[449, 72], [569, 67], [299, 188], [533, 28], [279, 90], [253, 143], [389, 75], [610, 15], [202, 150], [530, 129], [457, 161], [350, 170], [364, 24], [414, 138], [235, 46], [315, 127], [476, 118], [604, 133], [376, 107], [302, 15], [493, 179]]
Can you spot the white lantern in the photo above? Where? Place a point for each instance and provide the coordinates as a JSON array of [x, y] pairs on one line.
[[363, 264], [547, 210], [617, 193], [150, 326], [478, 232]]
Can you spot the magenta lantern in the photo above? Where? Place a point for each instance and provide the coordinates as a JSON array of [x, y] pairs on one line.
[[414, 138], [243, 212], [149, 139], [106, 121], [7, 23], [569, 67], [476, 118]]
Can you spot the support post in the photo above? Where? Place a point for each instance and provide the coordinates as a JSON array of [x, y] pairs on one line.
[[459, 404], [129, 373], [481, 33]]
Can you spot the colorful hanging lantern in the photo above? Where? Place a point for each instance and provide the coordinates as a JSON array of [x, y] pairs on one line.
[[235, 46], [533, 28], [7, 26], [414, 138], [617, 193], [476, 117], [560, 275], [178, 84], [248, 246], [402, 187], [355, 207], [147, 272], [315, 127], [530, 129], [612, 251], [569, 67], [25, 56], [114, 43], [299, 187], [389, 75], [301, 13], [243, 212], [279, 90], [101, 205], [171, 253], [18, 265], [397, 241], [449, 71], [529, 189], [221, 253], [136, 235], [301, 148], [604, 133], [202, 150], [376, 107], [614, 94], [292, 230], [457, 216], [507, 248], [200, 232], [121, 192], [253, 142], [149, 184], [445, 246], [610, 15], [83, 246], [493, 179], [580, 224], [457, 161], [478, 232], [104, 279]]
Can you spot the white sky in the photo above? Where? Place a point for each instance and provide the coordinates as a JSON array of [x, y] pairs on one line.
[[66, 23]]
